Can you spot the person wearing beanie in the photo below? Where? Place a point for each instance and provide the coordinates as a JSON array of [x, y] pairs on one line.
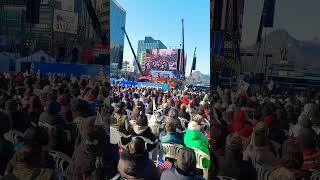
[[141, 128], [171, 135], [89, 151], [134, 162], [239, 122], [56, 127], [183, 113], [173, 117], [232, 163], [303, 123], [193, 138], [291, 163], [260, 149], [19, 120], [312, 111], [28, 165], [308, 139], [185, 167]]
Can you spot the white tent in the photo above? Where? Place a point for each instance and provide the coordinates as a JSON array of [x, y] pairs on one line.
[[39, 56], [6, 59]]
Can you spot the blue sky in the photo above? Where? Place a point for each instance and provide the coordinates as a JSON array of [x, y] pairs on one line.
[[161, 19]]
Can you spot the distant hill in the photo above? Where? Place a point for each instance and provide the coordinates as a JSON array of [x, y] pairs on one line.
[[301, 53], [198, 76]]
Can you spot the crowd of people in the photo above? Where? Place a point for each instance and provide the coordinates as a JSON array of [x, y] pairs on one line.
[[161, 63], [103, 131]]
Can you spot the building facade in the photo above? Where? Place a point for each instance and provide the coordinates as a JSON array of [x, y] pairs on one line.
[[117, 21], [147, 43]]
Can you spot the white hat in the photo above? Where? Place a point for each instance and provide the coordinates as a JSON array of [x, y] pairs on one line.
[[193, 126]]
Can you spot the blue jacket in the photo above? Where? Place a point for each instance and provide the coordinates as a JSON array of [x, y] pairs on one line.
[[172, 137]]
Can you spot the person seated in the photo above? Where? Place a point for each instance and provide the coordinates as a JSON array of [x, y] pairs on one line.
[[56, 128], [141, 128], [311, 156], [37, 135], [193, 138], [171, 136], [173, 117], [87, 160], [231, 164], [185, 167], [28, 164], [291, 163], [260, 149], [134, 162]]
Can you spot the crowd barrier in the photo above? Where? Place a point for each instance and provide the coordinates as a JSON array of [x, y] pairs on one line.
[[74, 69], [143, 84]]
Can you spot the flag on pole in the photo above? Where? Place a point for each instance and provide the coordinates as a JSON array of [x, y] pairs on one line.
[[194, 62]]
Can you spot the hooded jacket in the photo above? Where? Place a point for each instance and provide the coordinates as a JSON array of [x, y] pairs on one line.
[[145, 132], [195, 139], [172, 137], [137, 167]]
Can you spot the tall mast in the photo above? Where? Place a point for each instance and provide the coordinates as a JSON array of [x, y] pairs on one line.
[[182, 56]]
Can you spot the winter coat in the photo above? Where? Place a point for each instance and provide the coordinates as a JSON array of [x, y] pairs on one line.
[[83, 163], [56, 128], [195, 139], [173, 174], [145, 132], [172, 137], [282, 173], [238, 169], [23, 172], [137, 167]]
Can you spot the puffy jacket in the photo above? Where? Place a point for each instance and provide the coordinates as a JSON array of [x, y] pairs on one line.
[[172, 137], [173, 174], [195, 139], [137, 167]]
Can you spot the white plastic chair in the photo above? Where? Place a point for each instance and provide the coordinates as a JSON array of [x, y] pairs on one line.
[[61, 160], [315, 175], [170, 150], [262, 173], [13, 136], [129, 114], [114, 136], [184, 122], [226, 178], [200, 156]]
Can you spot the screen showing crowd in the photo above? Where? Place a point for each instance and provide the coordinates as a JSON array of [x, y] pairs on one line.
[[161, 59]]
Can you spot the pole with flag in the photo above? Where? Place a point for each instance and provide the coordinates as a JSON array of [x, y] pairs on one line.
[[194, 62]]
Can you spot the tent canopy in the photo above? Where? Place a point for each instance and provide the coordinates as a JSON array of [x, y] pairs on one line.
[[38, 56]]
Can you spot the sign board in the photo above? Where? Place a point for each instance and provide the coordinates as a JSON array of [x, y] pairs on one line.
[[65, 21], [130, 68]]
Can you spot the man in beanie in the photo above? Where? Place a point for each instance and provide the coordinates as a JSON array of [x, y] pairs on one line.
[[173, 117], [185, 168], [134, 162], [232, 163], [171, 136], [193, 138], [141, 128]]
